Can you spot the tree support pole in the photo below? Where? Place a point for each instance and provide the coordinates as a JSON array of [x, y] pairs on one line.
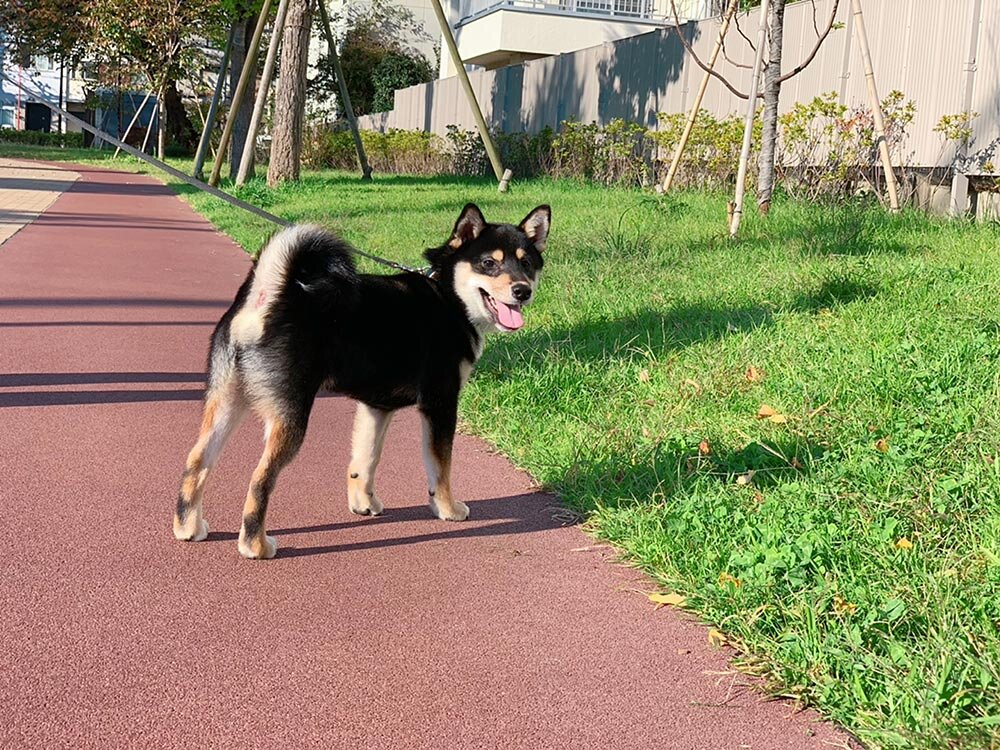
[[502, 177], [134, 118], [213, 108], [741, 175], [246, 159], [345, 97], [241, 88], [689, 126], [883, 147]]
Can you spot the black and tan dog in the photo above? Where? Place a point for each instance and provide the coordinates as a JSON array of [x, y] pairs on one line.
[[305, 320]]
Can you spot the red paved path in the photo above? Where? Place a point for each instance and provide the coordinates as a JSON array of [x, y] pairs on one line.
[[397, 632]]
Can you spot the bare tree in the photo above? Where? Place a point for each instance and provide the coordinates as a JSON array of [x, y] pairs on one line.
[[290, 97], [243, 28], [772, 90], [773, 78]]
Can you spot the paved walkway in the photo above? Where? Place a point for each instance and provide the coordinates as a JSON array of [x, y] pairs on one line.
[[509, 631], [26, 190]]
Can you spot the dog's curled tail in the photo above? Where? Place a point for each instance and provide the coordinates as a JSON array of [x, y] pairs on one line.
[[303, 259]]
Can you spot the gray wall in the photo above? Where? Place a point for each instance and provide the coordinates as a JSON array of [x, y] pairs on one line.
[[921, 47]]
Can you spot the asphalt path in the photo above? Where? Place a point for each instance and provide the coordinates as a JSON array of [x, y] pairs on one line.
[[510, 630]]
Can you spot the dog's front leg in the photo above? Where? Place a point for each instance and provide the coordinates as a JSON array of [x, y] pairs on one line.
[[439, 434], [370, 426]]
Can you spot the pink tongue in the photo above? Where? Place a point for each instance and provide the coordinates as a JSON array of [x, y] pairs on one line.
[[508, 316]]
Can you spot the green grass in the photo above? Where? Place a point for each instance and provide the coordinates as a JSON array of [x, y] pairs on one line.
[[876, 337]]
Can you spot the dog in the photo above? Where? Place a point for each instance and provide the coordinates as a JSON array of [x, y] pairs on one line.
[[305, 320]]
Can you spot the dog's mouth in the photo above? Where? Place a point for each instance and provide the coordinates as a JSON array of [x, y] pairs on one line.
[[507, 317]]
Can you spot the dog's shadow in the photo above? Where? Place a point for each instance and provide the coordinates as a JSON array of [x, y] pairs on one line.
[[516, 514]]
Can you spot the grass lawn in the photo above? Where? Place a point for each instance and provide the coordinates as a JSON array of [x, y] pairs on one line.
[[848, 541]]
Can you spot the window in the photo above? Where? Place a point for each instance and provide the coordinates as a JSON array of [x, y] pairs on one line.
[[41, 62], [6, 117]]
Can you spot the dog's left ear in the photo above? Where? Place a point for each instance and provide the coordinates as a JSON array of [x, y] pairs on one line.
[[536, 226]]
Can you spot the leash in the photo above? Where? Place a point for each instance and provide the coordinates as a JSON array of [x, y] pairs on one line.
[[195, 183]]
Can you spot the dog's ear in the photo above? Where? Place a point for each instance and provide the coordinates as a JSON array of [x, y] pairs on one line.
[[470, 225], [536, 226]]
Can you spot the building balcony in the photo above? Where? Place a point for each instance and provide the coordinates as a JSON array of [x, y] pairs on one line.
[[495, 33]]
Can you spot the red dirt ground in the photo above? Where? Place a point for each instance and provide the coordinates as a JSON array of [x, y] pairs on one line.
[[508, 631]]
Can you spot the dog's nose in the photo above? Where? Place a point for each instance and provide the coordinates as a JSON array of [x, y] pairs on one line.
[[521, 292]]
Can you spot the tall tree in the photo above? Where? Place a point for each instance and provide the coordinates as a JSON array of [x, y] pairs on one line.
[[159, 37], [376, 53], [243, 15], [290, 97]]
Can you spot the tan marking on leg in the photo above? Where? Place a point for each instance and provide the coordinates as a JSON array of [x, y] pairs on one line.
[[281, 444], [438, 470], [223, 411], [370, 426]]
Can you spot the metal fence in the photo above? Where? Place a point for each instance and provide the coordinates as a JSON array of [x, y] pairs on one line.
[[943, 54]]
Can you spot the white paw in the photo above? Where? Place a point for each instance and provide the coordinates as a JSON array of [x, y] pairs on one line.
[[254, 550], [194, 529], [458, 511], [363, 504]]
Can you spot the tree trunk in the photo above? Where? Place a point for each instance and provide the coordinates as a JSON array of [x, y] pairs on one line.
[[180, 131], [772, 90], [290, 97], [241, 120]]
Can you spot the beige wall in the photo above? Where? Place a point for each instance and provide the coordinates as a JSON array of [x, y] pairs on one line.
[[920, 47]]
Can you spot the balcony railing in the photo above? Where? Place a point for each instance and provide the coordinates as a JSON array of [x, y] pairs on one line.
[[655, 11]]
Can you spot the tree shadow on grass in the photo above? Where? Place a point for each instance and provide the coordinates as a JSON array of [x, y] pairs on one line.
[[655, 333], [668, 470]]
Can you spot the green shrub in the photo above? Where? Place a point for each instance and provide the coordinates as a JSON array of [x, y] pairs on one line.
[[712, 153], [829, 150], [611, 155], [41, 138]]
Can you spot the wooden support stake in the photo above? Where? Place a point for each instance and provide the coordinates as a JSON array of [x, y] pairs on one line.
[[345, 97], [463, 76], [246, 160], [134, 118], [241, 88], [741, 175], [213, 108], [689, 126], [883, 147], [155, 118]]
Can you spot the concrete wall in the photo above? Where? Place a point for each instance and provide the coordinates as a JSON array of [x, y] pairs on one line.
[[919, 47]]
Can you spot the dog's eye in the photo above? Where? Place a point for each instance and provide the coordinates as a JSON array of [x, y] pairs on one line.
[[526, 263], [489, 264]]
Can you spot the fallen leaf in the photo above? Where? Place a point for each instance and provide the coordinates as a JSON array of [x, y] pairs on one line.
[[645, 432], [904, 543], [662, 600], [843, 607], [694, 384], [725, 578], [648, 402], [882, 445], [644, 376], [744, 479], [716, 638], [753, 375], [796, 464], [768, 413], [704, 449]]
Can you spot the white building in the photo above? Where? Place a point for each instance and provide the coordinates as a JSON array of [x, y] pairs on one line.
[[22, 111], [494, 33]]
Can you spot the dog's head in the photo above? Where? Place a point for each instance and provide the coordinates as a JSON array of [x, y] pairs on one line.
[[493, 268]]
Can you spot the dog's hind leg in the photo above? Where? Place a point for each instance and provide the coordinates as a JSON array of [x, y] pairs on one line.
[[438, 436], [224, 409], [370, 426], [283, 437]]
